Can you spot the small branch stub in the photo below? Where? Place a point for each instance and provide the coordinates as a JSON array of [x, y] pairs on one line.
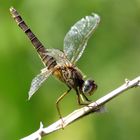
[[77, 114]]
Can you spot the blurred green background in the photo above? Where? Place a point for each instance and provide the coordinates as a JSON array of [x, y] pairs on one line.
[[112, 54]]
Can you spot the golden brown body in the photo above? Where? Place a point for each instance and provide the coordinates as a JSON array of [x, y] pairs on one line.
[[71, 76]]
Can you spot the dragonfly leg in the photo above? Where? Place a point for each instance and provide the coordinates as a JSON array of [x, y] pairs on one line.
[[86, 97], [83, 98], [58, 101], [78, 97]]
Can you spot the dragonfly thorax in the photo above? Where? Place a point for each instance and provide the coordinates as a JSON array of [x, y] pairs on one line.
[[71, 76]]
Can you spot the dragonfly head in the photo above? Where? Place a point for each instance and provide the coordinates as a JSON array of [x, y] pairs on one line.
[[89, 87]]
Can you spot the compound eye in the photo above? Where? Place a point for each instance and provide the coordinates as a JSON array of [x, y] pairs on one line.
[[88, 87]]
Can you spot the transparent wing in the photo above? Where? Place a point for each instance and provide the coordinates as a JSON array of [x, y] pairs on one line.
[[76, 39], [38, 81], [59, 56]]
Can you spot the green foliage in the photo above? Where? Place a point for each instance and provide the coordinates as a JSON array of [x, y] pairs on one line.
[[112, 54]]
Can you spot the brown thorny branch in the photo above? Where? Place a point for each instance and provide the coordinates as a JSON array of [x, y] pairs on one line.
[[82, 112]]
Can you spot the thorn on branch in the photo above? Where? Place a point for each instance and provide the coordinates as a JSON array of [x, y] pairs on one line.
[[127, 81]]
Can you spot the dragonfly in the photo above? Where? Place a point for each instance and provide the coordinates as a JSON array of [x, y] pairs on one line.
[[62, 64]]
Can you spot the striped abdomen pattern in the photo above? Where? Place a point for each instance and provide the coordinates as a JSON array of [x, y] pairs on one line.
[[48, 61]]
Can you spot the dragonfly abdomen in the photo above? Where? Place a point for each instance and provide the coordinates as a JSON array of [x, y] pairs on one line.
[[48, 61]]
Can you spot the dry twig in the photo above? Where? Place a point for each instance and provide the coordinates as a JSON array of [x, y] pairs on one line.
[[82, 112]]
